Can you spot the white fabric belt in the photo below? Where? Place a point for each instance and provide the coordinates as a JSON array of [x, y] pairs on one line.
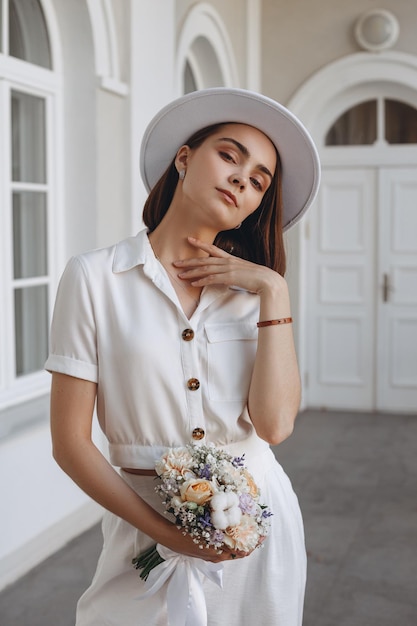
[[144, 457]]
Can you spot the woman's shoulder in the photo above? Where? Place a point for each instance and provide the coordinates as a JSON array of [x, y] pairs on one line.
[[115, 258]]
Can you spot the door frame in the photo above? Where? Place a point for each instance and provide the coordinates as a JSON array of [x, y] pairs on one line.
[[318, 103]]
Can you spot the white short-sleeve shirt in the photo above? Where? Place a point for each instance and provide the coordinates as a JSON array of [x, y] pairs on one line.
[[163, 380]]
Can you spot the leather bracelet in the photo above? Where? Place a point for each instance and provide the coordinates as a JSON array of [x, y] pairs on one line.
[[282, 320]]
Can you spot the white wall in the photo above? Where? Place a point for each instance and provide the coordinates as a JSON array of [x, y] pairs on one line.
[[302, 36], [41, 507]]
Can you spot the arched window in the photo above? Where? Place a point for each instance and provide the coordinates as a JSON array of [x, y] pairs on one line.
[[28, 34], [27, 195], [400, 122], [359, 125]]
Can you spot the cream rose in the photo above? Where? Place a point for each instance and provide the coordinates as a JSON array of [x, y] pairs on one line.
[[244, 537], [253, 489], [175, 462], [197, 490]]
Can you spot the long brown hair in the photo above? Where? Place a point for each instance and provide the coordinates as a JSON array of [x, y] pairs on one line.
[[259, 238]]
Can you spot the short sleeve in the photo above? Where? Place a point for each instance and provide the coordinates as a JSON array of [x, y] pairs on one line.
[[73, 337]]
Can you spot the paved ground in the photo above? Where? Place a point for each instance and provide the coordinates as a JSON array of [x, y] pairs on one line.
[[356, 478]]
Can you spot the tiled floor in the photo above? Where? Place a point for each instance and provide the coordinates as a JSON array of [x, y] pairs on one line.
[[356, 478]]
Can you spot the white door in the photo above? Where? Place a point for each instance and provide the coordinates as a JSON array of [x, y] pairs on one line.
[[397, 315], [362, 291]]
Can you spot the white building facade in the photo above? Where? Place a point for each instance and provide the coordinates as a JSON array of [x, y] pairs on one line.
[[79, 82]]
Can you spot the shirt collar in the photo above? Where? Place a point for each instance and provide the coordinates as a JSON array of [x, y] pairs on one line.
[[132, 252]]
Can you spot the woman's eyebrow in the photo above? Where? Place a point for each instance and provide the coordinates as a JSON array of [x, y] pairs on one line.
[[243, 149]]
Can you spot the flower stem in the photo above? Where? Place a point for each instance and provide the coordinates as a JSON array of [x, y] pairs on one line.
[[147, 560]]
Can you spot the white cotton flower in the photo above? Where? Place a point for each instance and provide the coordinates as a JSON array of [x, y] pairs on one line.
[[225, 511]]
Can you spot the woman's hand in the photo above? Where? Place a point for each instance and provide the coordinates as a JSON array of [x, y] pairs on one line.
[[222, 268]]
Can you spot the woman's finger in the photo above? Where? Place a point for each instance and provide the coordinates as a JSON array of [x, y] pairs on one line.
[[200, 261], [208, 247]]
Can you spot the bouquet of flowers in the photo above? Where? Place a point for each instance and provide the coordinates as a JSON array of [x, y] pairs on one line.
[[212, 497]]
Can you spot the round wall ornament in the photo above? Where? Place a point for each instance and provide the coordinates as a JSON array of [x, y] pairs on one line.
[[377, 30]]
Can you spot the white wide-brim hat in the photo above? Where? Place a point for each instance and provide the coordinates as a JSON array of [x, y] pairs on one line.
[[180, 119]]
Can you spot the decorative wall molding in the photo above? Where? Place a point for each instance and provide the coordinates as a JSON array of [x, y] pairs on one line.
[[253, 44], [54, 34], [353, 74], [203, 29], [106, 48]]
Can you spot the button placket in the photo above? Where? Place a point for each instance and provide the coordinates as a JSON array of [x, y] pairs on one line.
[[189, 350]]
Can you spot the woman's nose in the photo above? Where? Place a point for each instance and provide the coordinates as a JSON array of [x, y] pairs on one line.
[[238, 181]]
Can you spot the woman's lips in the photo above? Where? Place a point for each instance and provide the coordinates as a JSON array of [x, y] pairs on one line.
[[230, 197]]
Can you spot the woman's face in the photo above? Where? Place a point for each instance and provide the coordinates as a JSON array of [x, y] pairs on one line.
[[227, 175]]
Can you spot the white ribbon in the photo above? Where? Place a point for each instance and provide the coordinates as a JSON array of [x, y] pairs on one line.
[[186, 602]]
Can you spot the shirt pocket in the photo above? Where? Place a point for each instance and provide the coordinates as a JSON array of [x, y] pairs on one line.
[[231, 350]]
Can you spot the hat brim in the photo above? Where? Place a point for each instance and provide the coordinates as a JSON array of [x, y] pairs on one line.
[[180, 119]]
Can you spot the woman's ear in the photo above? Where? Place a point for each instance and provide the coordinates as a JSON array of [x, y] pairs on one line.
[[182, 158]]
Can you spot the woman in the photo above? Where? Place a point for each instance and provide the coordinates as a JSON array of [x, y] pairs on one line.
[[181, 334]]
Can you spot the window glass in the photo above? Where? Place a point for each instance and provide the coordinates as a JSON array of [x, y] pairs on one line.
[[28, 138], [28, 35], [29, 234], [400, 122], [29, 219], [356, 127], [31, 329]]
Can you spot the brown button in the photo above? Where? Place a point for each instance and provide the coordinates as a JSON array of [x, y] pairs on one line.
[[188, 334], [198, 433], [193, 384]]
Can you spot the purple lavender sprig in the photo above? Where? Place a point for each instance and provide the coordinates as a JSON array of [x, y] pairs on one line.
[[205, 472], [239, 461]]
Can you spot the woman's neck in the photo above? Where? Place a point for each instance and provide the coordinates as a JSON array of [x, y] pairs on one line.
[[170, 243]]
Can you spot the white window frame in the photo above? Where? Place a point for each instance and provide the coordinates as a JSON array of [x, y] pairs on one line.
[[25, 77]]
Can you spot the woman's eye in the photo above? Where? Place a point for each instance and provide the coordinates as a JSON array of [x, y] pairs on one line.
[[256, 183], [227, 157]]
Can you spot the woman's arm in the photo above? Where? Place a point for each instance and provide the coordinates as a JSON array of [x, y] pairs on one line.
[[72, 405], [275, 390], [274, 394]]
